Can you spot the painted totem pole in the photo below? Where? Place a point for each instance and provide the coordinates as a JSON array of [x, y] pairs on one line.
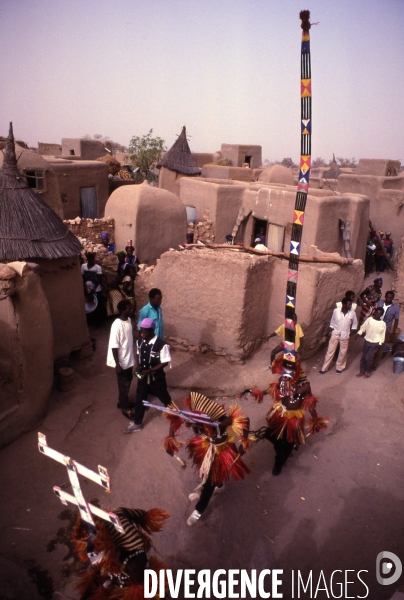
[[289, 356]]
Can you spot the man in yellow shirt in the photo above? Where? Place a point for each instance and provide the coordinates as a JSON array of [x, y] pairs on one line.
[[374, 330], [281, 332]]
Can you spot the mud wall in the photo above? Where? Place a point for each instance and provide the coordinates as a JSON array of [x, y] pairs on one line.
[[170, 180], [63, 288], [322, 217], [398, 285], [227, 302], [29, 160], [222, 201], [238, 152], [231, 173], [26, 321], [386, 196], [73, 175], [214, 299], [154, 219], [320, 286], [91, 229]]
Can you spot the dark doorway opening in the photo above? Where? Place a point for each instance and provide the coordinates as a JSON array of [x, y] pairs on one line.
[[259, 231], [247, 160]]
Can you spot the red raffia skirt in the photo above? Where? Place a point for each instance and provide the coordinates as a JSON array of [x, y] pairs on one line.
[[292, 425], [226, 462]]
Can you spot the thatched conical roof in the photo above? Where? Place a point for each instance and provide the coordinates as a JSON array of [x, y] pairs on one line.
[[28, 226], [179, 157]]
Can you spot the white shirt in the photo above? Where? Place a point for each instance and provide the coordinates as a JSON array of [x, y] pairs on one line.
[[375, 331], [165, 355], [96, 268], [342, 324], [261, 247], [121, 337]]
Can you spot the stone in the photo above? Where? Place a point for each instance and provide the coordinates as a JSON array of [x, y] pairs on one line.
[[85, 351]]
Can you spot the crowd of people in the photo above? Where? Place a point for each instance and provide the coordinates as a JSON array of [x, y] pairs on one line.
[[379, 248], [377, 323], [102, 296], [219, 436]]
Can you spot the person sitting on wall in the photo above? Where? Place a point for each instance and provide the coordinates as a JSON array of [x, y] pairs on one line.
[[105, 241], [281, 332], [229, 239], [259, 245], [152, 310]]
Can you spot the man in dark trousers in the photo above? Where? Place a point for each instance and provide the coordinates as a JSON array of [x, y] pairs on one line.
[[120, 353], [153, 355]]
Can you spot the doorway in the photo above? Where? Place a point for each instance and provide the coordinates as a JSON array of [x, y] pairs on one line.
[[88, 201], [260, 228]]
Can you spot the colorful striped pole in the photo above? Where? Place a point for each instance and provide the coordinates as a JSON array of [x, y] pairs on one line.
[[289, 353]]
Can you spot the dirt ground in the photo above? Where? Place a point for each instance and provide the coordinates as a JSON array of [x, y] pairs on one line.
[[337, 504]]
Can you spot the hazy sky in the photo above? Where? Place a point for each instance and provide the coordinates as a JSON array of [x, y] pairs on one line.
[[227, 69]]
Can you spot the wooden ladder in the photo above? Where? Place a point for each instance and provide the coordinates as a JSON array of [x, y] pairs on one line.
[[240, 218]]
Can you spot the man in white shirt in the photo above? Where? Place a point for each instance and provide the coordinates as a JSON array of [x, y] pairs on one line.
[[374, 330], [153, 355], [120, 355], [343, 321], [351, 296]]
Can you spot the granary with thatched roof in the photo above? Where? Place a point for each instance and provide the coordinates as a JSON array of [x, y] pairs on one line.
[[178, 162], [31, 231]]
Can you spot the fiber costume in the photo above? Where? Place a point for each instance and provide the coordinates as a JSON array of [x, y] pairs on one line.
[[213, 448], [287, 426], [118, 560]]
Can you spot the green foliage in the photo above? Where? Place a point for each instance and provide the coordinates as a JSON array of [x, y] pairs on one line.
[[144, 153]]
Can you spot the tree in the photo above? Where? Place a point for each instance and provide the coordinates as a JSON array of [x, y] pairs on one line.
[[144, 154], [346, 162], [114, 146], [319, 162], [288, 162]]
